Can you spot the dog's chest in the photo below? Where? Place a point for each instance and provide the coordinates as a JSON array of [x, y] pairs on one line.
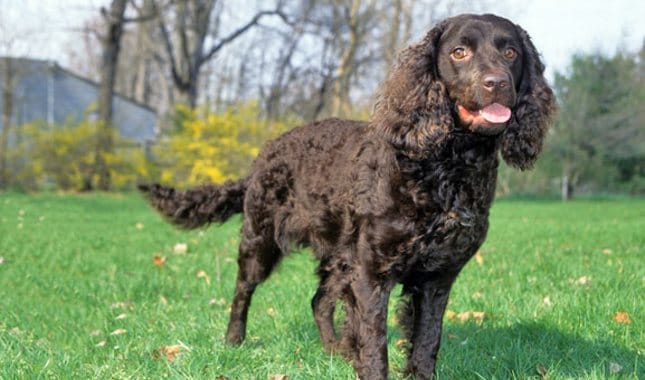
[[451, 199]]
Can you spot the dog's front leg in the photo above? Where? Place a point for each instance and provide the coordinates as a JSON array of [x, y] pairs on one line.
[[365, 334], [425, 309]]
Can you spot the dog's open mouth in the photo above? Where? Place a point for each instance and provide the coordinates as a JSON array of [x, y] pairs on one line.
[[488, 120]]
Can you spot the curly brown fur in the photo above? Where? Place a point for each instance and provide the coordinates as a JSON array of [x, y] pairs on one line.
[[402, 199], [199, 206]]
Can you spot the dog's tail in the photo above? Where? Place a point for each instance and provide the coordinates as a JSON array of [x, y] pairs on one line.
[[199, 206]]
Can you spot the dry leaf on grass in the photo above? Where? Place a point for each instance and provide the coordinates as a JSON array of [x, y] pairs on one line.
[[2, 260], [479, 259], [477, 316], [119, 332], [170, 352], [202, 274], [101, 344], [121, 316], [180, 248], [542, 371], [278, 377], [622, 317], [159, 261], [615, 367], [607, 251], [584, 280], [271, 312], [400, 343], [465, 316], [217, 301], [138, 226], [125, 305]]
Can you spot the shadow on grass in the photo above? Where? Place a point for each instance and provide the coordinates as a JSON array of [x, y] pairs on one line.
[[531, 350]]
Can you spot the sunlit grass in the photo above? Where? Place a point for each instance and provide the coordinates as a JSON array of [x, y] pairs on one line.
[[82, 297]]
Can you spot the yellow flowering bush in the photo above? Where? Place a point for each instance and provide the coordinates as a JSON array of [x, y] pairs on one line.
[[213, 147]]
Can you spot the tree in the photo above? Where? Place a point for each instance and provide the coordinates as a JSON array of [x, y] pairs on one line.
[[111, 43], [7, 78], [598, 137], [195, 24]]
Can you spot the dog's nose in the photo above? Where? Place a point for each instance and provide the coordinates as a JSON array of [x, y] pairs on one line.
[[495, 81]]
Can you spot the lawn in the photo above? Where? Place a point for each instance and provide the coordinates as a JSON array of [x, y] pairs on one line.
[[95, 286]]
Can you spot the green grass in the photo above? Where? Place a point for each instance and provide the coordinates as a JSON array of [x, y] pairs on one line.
[[76, 269]]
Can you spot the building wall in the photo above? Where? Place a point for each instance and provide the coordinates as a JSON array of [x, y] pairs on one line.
[[44, 91]]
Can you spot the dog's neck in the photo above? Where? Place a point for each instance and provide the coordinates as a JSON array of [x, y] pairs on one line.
[[464, 148]]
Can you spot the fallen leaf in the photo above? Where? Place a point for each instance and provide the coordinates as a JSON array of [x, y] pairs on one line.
[[450, 314], [271, 312], [180, 248], [547, 301], [401, 343], [163, 300], [615, 367], [278, 377], [477, 316], [477, 295], [125, 305], [101, 344], [542, 371], [584, 280], [15, 331], [95, 333], [2, 260], [118, 332], [121, 316], [202, 274], [159, 261], [607, 251], [139, 226], [218, 302], [170, 352], [479, 259], [622, 317]]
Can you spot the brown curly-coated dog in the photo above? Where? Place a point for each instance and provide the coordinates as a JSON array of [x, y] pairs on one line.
[[403, 198]]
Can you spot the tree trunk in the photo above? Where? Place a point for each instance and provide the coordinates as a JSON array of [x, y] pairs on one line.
[[340, 103], [7, 111], [111, 49], [564, 191]]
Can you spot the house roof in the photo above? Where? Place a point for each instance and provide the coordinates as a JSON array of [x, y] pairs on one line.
[[43, 90]]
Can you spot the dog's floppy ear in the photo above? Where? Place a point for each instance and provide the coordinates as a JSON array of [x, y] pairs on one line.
[[412, 109], [522, 140]]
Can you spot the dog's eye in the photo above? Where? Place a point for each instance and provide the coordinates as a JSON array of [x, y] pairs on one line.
[[510, 54], [459, 53]]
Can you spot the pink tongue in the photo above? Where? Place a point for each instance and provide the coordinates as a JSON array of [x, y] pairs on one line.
[[495, 113]]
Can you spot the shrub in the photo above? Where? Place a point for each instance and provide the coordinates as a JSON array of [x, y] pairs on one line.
[[213, 147]]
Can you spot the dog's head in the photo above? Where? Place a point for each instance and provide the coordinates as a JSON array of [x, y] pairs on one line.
[[475, 74]]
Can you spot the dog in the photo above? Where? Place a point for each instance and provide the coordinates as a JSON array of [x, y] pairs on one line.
[[403, 198]]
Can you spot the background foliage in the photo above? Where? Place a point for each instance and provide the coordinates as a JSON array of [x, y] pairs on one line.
[[597, 144], [206, 146]]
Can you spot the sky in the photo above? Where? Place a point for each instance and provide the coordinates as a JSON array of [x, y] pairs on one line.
[[559, 28]]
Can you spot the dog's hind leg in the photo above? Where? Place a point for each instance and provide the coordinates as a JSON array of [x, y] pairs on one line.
[[323, 305], [258, 256]]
